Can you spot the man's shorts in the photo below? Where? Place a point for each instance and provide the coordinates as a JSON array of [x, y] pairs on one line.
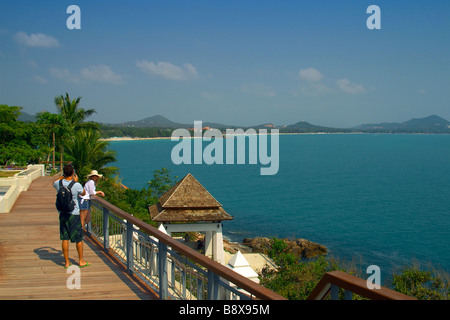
[[85, 204], [70, 227]]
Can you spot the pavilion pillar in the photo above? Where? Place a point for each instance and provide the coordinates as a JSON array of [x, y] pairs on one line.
[[209, 244], [217, 244]]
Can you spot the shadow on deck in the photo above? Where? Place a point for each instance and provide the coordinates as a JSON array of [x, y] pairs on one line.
[[31, 263]]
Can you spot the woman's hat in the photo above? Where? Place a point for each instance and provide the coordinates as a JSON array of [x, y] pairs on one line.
[[94, 173]]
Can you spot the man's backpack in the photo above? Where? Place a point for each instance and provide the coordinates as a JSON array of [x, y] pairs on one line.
[[64, 199]]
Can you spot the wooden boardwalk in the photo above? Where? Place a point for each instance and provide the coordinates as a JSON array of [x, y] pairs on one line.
[[31, 260]]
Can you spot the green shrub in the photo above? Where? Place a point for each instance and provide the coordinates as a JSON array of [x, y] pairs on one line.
[[423, 284], [136, 202], [294, 279]]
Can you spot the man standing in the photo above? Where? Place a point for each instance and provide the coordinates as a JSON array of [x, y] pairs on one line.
[[69, 221]]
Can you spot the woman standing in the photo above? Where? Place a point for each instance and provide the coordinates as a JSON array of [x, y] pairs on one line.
[[85, 201]]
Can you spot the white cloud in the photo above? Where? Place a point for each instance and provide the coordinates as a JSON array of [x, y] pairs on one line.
[[310, 75], [63, 74], [168, 71], [311, 85], [350, 87], [37, 40], [101, 73], [40, 80], [314, 86], [190, 69]]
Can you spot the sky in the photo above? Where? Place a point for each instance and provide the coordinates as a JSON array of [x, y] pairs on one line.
[[240, 63]]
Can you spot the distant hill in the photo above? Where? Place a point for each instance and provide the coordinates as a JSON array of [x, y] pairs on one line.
[[26, 117], [305, 127], [431, 124], [160, 121], [157, 121]]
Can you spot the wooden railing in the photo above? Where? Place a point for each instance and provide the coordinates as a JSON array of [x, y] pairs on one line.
[[178, 272], [332, 281], [173, 269]]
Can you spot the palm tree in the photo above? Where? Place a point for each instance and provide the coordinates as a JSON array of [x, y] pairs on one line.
[[73, 114], [57, 126], [88, 153], [74, 117]]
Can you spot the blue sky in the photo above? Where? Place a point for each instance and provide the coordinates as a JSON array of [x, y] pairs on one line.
[[234, 62]]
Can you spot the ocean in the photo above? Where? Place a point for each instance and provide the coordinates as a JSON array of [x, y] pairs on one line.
[[373, 199]]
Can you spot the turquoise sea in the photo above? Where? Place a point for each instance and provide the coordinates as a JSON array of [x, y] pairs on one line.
[[374, 199]]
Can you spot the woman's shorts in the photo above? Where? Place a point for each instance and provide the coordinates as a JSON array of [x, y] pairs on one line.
[[70, 227], [85, 204]]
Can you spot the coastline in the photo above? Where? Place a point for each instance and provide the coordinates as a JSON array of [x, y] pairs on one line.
[[132, 138], [280, 133]]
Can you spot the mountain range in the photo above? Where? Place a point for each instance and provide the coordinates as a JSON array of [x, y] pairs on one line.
[[159, 121], [430, 124]]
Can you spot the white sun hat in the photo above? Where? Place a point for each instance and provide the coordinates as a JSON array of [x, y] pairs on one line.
[[94, 173]]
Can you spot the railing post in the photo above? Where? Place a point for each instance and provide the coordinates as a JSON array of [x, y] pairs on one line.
[[334, 292], [348, 295], [129, 249], [171, 270], [199, 289], [89, 227], [162, 263], [105, 228], [213, 286]]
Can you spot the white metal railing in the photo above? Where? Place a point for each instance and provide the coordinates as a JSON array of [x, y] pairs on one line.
[[166, 265]]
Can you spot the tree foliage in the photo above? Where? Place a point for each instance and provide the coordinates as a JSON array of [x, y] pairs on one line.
[[87, 152], [19, 142], [54, 128], [73, 115], [109, 131], [78, 140], [423, 284], [296, 279], [134, 201]]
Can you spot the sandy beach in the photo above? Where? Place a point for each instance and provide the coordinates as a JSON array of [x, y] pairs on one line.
[[132, 138], [281, 133]]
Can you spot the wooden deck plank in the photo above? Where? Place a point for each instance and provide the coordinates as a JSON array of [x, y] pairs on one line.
[[31, 260]]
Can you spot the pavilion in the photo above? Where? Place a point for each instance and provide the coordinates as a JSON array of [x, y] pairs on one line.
[[189, 207]]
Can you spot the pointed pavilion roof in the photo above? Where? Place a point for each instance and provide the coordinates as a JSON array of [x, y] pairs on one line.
[[188, 193], [188, 201], [238, 260], [240, 265]]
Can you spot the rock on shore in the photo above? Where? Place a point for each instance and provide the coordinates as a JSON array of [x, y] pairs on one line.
[[302, 248]]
